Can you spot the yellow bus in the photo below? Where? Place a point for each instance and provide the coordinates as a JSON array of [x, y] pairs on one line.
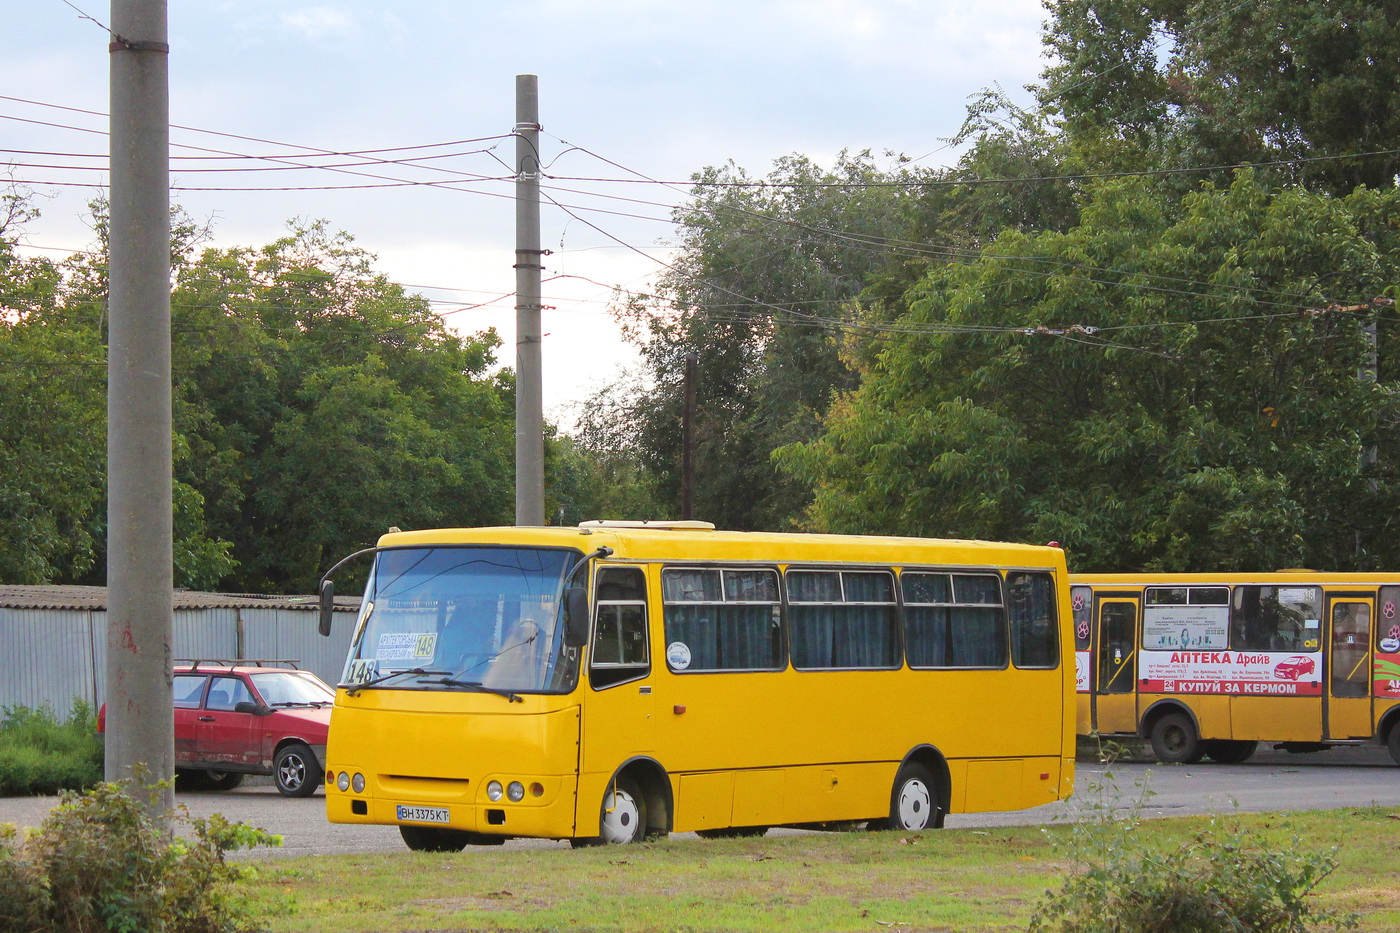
[[615, 681], [1210, 665]]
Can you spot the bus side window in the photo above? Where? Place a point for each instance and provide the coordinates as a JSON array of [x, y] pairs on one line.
[[619, 646]]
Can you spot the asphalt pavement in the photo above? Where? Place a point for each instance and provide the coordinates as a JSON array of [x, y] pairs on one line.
[[1271, 781]]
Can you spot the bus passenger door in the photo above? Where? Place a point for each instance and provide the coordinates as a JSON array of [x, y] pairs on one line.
[[1347, 674], [1115, 670], [617, 718]]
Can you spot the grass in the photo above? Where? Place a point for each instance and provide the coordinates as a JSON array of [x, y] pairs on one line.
[[944, 880]]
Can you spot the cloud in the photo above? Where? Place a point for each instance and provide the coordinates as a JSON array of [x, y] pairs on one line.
[[318, 22]]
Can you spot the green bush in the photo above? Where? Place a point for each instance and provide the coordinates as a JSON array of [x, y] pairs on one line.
[[1218, 881], [40, 755], [100, 864]]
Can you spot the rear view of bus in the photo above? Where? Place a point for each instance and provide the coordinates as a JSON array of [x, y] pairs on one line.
[[610, 682]]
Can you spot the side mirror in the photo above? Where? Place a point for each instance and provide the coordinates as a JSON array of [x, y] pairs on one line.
[[246, 706], [327, 607], [575, 617]]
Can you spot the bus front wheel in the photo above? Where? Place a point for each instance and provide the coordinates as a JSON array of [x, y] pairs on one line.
[[434, 839], [623, 819], [1175, 740]]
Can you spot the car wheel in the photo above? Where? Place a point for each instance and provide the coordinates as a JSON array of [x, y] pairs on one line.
[[296, 771], [222, 780], [624, 817]]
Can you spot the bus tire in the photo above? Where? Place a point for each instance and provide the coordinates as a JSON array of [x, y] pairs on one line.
[[1175, 740], [623, 819], [1392, 743], [913, 800], [1229, 751], [434, 839]]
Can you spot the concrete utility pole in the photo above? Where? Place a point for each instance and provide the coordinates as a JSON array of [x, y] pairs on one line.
[[140, 574], [529, 391]]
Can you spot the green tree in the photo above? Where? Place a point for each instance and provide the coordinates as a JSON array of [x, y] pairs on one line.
[[1151, 388], [1166, 83]]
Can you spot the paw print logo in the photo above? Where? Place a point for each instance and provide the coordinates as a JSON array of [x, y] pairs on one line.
[[1395, 631], [1077, 601], [1082, 631], [1388, 610]]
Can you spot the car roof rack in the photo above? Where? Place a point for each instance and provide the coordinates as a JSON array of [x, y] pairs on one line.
[[194, 663]]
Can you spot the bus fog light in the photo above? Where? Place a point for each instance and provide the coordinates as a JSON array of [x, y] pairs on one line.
[[358, 783], [537, 789], [516, 792], [494, 790], [342, 782]]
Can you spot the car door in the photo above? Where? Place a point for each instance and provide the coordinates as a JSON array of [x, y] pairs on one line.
[[226, 736], [189, 695]]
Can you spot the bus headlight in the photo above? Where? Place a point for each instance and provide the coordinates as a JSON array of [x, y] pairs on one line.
[[342, 782], [516, 792], [358, 782], [494, 791]]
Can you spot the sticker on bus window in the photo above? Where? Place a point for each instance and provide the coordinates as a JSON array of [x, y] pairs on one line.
[[678, 655], [406, 646], [363, 669], [1390, 645]]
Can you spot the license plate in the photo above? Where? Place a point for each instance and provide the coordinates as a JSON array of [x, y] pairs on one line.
[[424, 814]]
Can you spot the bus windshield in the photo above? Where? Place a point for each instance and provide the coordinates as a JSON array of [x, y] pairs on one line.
[[464, 618]]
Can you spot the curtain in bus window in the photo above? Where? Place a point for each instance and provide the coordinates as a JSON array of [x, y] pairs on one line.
[[1031, 606], [857, 631], [721, 620]]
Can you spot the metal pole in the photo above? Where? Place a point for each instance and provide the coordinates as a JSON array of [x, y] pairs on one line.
[[688, 440], [140, 574], [529, 392]]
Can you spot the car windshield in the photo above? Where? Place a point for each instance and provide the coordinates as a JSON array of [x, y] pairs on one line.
[[464, 618], [292, 688]]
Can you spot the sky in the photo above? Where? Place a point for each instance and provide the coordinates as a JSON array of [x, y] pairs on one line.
[[627, 89]]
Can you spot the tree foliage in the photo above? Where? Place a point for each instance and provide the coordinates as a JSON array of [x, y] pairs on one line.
[[1213, 420], [315, 405]]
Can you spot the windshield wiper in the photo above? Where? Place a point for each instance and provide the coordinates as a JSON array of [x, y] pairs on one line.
[[475, 685], [352, 689]]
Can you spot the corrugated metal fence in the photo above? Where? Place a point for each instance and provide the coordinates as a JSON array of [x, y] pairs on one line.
[[53, 640]]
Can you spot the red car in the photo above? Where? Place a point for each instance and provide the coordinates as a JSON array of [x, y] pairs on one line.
[[234, 718], [1294, 667]]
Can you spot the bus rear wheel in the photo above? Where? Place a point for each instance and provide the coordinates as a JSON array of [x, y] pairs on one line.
[[1393, 743], [913, 801], [1175, 740], [1229, 751]]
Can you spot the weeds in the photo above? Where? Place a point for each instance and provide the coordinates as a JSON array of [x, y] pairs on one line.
[[1216, 881], [40, 755], [99, 864]]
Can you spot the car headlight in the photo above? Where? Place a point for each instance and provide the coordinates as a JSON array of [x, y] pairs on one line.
[[494, 790], [342, 782], [358, 782], [516, 792]]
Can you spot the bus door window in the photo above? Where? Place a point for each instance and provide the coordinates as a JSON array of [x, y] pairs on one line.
[[1350, 668], [619, 647], [1117, 652]]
